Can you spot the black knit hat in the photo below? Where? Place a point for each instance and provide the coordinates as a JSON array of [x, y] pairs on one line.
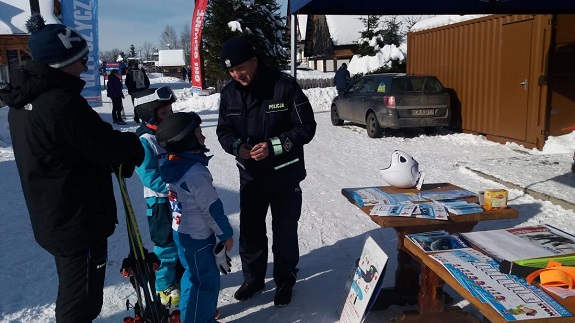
[[54, 44], [236, 51]]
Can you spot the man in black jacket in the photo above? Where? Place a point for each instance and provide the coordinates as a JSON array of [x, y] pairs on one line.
[[264, 120], [342, 79], [64, 154]]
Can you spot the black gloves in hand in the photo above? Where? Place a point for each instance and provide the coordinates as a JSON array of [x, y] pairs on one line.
[[223, 262], [136, 160]]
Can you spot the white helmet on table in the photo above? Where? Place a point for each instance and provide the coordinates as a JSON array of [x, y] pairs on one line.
[[403, 172]]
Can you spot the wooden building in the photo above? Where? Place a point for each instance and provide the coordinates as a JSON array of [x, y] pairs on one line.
[[512, 77], [14, 50], [14, 44], [321, 51]]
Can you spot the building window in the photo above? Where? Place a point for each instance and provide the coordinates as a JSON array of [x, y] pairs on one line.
[[16, 57]]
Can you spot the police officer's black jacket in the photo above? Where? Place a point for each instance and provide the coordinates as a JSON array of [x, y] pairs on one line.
[[272, 108], [64, 153]]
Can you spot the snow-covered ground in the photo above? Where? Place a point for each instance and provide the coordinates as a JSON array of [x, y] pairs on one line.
[[332, 230]]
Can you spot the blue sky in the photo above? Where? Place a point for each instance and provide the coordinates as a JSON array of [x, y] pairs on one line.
[[126, 22]]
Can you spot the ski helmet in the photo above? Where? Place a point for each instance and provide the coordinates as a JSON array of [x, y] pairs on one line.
[[176, 132], [148, 100], [403, 172]]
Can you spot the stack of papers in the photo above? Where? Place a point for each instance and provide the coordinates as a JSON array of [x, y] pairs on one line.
[[436, 241], [426, 205], [460, 207], [421, 210], [510, 295], [523, 243]]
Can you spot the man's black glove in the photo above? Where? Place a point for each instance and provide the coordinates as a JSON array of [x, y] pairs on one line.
[[222, 260], [136, 160]]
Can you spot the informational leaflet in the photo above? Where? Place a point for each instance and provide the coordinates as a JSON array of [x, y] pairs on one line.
[[364, 283], [426, 205], [369, 196], [510, 295], [421, 210], [522, 243], [447, 195], [439, 240]]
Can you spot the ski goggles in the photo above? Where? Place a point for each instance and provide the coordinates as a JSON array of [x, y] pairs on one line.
[[161, 94]]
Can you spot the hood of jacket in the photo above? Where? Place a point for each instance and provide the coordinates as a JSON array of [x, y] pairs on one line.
[[172, 169], [33, 79]]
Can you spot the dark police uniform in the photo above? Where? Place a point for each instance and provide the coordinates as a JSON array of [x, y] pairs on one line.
[[274, 109]]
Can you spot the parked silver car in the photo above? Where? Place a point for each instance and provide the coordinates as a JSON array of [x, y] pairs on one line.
[[393, 101]]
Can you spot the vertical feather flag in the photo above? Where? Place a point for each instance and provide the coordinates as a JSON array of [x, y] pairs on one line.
[[196, 35]]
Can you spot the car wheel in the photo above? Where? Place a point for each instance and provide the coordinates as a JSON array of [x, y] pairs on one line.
[[335, 120], [372, 126]]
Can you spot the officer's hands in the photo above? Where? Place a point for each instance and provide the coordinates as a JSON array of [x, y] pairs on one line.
[[260, 151], [244, 151]]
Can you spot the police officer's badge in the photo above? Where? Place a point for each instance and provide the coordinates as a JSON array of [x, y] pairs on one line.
[[287, 144], [228, 63]]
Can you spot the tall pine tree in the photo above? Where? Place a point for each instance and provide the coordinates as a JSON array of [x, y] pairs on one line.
[[257, 21], [370, 34]]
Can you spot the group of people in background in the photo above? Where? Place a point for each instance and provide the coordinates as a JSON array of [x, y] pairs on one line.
[[264, 121]]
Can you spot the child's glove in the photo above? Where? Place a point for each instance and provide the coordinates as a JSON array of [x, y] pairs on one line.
[[223, 262]]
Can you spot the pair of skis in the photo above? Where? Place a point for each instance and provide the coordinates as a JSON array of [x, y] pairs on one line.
[[140, 267]]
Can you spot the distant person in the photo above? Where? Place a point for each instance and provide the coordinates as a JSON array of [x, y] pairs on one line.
[[265, 119], [184, 73], [342, 79], [136, 80], [114, 92], [198, 215], [65, 154]]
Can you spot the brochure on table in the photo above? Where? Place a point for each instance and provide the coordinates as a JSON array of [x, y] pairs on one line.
[[523, 243], [510, 295], [364, 283], [433, 204], [436, 241]]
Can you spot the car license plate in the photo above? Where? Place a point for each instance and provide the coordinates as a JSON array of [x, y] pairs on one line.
[[423, 112]]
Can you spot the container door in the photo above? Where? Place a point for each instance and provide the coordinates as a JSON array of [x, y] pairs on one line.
[[514, 76]]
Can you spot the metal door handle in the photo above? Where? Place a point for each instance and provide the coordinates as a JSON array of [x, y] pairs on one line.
[[524, 83]]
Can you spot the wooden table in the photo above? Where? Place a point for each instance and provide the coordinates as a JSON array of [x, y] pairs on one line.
[[431, 302], [407, 286]]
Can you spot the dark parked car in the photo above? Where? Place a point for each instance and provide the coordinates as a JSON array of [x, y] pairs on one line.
[[393, 101]]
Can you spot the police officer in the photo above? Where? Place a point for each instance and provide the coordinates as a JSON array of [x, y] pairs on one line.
[[264, 120]]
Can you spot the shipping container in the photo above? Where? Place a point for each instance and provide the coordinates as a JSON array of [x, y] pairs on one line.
[[511, 77]]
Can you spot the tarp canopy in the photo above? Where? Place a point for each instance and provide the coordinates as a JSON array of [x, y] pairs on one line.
[[436, 7]]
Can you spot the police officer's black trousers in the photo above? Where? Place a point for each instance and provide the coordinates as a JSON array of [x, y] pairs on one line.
[[285, 202], [81, 284]]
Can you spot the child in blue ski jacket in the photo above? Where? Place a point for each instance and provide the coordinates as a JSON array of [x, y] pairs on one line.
[[198, 216], [152, 106]]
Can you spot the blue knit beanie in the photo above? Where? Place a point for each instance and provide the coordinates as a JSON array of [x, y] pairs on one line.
[[54, 44]]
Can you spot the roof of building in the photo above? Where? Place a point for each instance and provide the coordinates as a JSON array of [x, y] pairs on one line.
[[15, 13], [172, 57]]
